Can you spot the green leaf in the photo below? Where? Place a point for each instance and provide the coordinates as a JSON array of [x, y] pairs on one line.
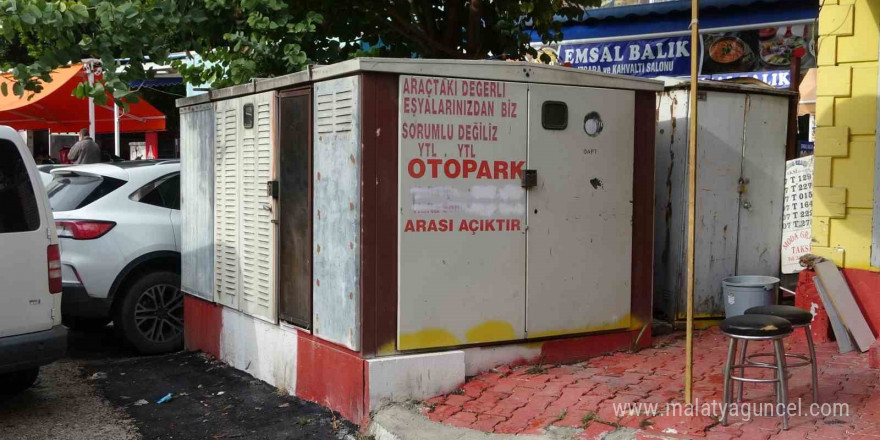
[[4, 89], [28, 18], [80, 9]]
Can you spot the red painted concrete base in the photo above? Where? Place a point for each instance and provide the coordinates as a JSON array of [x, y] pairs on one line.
[[864, 285], [203, 322], [337, 378], [331, 376], [583, 348]]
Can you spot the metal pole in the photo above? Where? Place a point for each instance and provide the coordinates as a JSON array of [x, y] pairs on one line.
[[692, 205], [92, 103], [116, 128]]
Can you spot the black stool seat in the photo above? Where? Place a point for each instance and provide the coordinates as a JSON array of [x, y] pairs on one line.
[[756, 325], [793, 314]]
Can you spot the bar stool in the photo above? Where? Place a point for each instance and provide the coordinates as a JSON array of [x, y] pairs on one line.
[[756, 328], [798, 318]]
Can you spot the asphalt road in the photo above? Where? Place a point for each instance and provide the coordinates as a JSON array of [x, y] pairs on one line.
[[103, 390]]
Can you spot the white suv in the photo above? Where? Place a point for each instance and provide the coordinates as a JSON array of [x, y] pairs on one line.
[[119, 227], [31, 334]]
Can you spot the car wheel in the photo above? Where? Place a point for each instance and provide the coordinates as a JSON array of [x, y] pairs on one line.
[[151, 313], [17, 381], [84, 324]]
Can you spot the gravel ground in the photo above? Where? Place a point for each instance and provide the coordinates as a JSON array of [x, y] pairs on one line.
[[63, 405], [103, 390]]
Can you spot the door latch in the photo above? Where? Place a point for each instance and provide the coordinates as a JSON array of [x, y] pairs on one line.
[[529, 178], [272, 189]]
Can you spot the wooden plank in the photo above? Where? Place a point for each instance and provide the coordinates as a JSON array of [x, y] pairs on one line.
[[845, 342], [840, 294]]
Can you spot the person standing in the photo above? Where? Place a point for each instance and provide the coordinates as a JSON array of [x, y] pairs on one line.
[[85, 151]]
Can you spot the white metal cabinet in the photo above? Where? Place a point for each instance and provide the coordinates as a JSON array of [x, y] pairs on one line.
[[580, 213], [740, 172], [244, 233]]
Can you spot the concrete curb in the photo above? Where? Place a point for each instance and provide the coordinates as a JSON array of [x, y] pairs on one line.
[[397, 422]]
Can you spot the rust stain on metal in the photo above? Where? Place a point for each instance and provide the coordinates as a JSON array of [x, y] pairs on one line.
[[318, 250], [318, 175]]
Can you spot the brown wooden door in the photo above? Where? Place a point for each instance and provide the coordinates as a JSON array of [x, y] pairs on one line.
[[295, 207]]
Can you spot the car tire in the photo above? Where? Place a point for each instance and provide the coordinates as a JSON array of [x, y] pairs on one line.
[[18, 381], [150, 315], [84, 324]]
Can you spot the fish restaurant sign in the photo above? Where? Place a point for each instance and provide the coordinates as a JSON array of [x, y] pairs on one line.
[[647, 58]]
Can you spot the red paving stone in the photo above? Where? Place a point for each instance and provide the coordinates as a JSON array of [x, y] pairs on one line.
[[511, 400]]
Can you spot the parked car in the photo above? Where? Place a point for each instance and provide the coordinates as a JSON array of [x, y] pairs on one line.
[[46, 172], [31, 334], [119, 227]]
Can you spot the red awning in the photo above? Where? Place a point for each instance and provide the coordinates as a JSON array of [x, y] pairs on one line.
[[56, 109]]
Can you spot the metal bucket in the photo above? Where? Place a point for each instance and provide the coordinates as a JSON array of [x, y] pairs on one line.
[[744, 292]]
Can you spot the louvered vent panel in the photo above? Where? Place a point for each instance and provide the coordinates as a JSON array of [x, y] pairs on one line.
[[257, 234]]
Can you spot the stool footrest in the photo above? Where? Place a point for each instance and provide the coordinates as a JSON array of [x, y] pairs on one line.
[[751, 380], [805, 359]]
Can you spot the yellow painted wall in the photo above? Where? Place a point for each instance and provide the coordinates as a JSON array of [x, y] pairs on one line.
[[846, 118]]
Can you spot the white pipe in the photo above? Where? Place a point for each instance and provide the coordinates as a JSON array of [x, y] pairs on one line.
[[116, 127]]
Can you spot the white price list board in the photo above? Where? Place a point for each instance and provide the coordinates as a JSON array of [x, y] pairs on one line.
[[797, 213]]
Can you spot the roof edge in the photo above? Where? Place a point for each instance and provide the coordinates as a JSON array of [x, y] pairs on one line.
[[513, 71]]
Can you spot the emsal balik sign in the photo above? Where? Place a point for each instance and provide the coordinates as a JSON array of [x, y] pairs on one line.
[[648, 58]]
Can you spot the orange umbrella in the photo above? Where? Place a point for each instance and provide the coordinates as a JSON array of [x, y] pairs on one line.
[[56, 109]]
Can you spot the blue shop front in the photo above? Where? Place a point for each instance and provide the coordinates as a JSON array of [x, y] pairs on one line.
[[740, 38]]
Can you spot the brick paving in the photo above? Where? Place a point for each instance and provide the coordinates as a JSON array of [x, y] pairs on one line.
[[528, 399]]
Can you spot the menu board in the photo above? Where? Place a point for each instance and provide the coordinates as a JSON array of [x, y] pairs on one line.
[[756, 50], [797, 213]]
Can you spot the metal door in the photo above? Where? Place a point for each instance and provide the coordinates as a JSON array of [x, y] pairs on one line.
[[461, 238], [579, 234], [257, 233], [763, 174], [294, 215], [226, 210], [719, 159]]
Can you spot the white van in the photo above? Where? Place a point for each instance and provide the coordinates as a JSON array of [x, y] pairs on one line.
[[31, 333]]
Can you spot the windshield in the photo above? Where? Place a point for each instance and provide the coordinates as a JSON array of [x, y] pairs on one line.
[[69, 191]]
